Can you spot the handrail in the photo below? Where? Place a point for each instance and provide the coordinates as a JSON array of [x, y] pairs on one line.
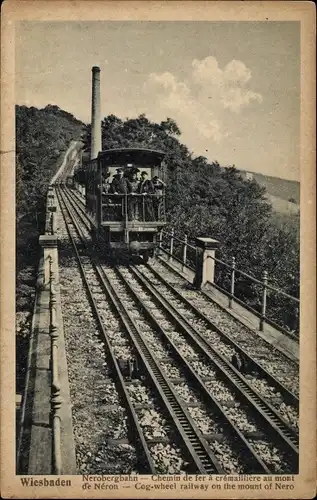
[[179, 239], [270, 287], [56, 399], [169, 249], [226, 264], [144, 207], [141, 195]]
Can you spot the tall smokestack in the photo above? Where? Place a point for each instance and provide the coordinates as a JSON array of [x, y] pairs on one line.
[[95, 114]]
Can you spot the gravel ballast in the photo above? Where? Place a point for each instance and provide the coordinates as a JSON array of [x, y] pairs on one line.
[[98, 416]]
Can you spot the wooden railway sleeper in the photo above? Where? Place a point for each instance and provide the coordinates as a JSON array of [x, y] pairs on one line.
[[138, 436], [227, 369], [292, 399], [162, 386], [260, 467]]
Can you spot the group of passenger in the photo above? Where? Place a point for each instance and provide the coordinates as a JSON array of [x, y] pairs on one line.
[[130, 183]]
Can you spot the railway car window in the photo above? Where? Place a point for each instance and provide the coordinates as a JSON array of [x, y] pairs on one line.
[[132, 206]]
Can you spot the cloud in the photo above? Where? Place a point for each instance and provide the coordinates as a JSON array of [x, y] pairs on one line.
[[200, 100], [236, 98], [228, 85], [207, 71], [237, 72], [175, 97]]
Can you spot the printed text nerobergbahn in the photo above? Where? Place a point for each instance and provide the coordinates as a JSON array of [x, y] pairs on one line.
[[115, 479]]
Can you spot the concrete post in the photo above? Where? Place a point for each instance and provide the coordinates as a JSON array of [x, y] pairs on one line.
[[160, 243], [171, 244], [49, 244], [205, 264], [185, 251], [264, 296], [52, 210], [50, 199], [95, 114]]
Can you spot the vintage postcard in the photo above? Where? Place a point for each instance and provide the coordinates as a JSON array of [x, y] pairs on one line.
[[158, 249]]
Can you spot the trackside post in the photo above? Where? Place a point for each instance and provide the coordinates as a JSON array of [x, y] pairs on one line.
[[205, 261]]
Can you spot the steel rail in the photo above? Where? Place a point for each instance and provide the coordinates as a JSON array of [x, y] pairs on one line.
[[263, 410], [138, 436], [76, 197], [289, 396], [257, 463], [75, 202], [195, 444], [246, 394]]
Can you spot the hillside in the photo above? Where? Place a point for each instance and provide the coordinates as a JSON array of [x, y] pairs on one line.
[[277, 187], [42, 137], [282, 206]]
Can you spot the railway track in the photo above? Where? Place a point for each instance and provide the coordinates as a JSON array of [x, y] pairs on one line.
[[197, 450], [276, 427], [73, 233], [272, 385], [159, 291], [213, 337], [269, 358], [169, 320]]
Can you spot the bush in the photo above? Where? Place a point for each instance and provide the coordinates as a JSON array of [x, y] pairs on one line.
[[42, 135]]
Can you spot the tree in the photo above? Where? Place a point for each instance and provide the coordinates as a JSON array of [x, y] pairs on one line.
[[42, 136], [205, 199]]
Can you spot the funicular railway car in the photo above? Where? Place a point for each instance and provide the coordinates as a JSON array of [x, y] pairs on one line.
[[70, 181], [127, 212]]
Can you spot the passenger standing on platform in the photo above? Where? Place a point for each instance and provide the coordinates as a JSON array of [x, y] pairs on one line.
[[159, 186], [119, 187], [146, 185], [119, 184], [106, 184], [146, 188], [134, 181], [106, 200], [134, 201]]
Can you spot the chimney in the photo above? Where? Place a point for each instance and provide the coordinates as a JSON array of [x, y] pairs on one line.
[[95, 114]]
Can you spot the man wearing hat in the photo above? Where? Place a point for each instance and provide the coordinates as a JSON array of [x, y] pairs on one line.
[[159, 186], [119, 184], [119, 187], [146, 188], [105, 183], [134, 202]]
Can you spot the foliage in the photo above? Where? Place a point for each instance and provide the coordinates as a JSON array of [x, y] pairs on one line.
[[42, 136], [204, 199]]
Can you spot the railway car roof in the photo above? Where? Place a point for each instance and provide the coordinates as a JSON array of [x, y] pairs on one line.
[[127, 155]]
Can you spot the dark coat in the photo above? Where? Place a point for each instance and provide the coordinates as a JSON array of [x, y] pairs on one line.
[[158, 186], [146, 187], [120, 186]]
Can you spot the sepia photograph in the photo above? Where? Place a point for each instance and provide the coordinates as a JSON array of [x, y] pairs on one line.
[[158, 275]]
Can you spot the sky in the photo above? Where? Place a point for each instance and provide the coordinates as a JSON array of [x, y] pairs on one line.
[[232, 87]]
